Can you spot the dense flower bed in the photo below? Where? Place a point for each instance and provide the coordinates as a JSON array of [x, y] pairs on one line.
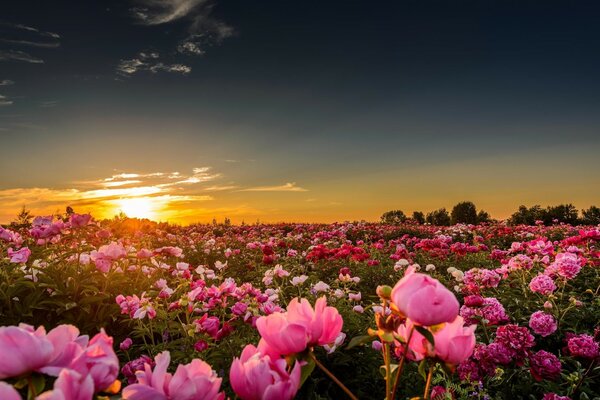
[[298, 310]]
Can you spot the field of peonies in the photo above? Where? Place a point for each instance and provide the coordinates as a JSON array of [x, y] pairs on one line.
[[137, 310]]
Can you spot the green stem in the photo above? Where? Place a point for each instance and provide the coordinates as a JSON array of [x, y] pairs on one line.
[[388, 370], [401, 365], [332, 377]]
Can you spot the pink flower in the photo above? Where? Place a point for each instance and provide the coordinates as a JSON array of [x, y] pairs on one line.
[[542, 284], [79, 220], [126, 344], [281, 335], [454, 343], [29, 350], [424, 300], [255, 376], [554, 396], [583, 346], [19, 256], [195, 380], [544, 365], [68, 345], [130, 368], [70, 385], [543, 324], [99, 361], [7, 392]]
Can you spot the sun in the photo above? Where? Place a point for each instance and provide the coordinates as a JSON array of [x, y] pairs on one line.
[[138, 207]]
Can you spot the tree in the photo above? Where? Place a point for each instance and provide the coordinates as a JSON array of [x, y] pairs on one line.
[[566, 213], [591, 216], [483, 216], [527, 216], [438, 217], [419, 217], [464, 213], [393, 217]]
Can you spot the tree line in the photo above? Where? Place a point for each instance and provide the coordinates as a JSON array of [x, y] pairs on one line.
[[466, 212]]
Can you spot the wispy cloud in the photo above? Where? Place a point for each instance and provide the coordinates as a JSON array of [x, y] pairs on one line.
[[149, 62], [203, 30], [18, 55], [49, 45], [48, 103], [4, 101], [31, 29], [288, 187], [6, 82]]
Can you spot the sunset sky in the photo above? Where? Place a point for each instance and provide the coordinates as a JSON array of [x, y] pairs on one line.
[[189, 110]]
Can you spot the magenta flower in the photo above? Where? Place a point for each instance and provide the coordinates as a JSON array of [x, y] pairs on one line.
[[126, 344], [454, 343], [424, 300], [130, 368], [255, 376], [542, 284], [544, 365], [583, 346], [19, 256], [68, 345], [79, 220], [542, 324]]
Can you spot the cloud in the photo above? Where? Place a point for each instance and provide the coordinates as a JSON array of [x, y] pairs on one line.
[[149, 62], [32, 29], [203, 30], [6, 82], [18, 55], [48, 104], [4, 101], [288, 187], [49, 45], [22, 35], [160, 192]]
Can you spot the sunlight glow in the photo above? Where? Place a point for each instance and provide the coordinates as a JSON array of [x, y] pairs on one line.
[[139, 207]]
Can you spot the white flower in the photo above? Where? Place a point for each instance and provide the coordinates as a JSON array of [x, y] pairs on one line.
[[320, 287]]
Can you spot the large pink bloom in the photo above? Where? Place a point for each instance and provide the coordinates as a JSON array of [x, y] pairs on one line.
[[19, 256], [98, 360], [68, 345], [193, 381], [424, 300], [301, 326], [24, 350], [70, 385], [454, 343], [255, 376], [7, 392]]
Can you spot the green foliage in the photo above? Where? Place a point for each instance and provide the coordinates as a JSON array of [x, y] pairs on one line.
[[438, 217], [464, 213], [393, 217]]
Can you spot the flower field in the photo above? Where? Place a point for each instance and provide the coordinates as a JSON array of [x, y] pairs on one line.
[[138, 310]]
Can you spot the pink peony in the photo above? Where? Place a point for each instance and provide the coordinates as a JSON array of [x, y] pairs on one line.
[[542, 324], [301, 326], [19, 256], [424, 300], [542, 284], [7, 392], [29, 350], [195, 380], [544, 365], [454, 343], [257, 376], [99, 361], [70, 385], [583, 346]]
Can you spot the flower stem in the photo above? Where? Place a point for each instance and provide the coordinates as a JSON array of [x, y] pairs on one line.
[[332, 377], [428, 384], [401, 365]]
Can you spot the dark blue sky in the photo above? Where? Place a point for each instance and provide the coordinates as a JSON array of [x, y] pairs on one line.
[[424, 101]]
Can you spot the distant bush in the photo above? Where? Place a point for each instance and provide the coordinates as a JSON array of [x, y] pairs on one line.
[[393, 217], [464, 213], [438, 217]]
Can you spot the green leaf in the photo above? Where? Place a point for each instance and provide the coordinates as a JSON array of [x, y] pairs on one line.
[[426, 333], [359, 340], [307, 370], [38, 383], [423, 368]]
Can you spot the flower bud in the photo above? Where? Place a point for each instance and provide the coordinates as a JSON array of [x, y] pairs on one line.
[[384, 292]]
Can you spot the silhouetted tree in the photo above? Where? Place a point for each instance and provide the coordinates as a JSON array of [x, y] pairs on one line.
[[566, 213], [483, 216], [438, 217], [393, 217], [419, 217], [591, 216], [465, 213], [527, 216]]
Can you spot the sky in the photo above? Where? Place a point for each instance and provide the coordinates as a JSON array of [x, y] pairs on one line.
[[307, 111]]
